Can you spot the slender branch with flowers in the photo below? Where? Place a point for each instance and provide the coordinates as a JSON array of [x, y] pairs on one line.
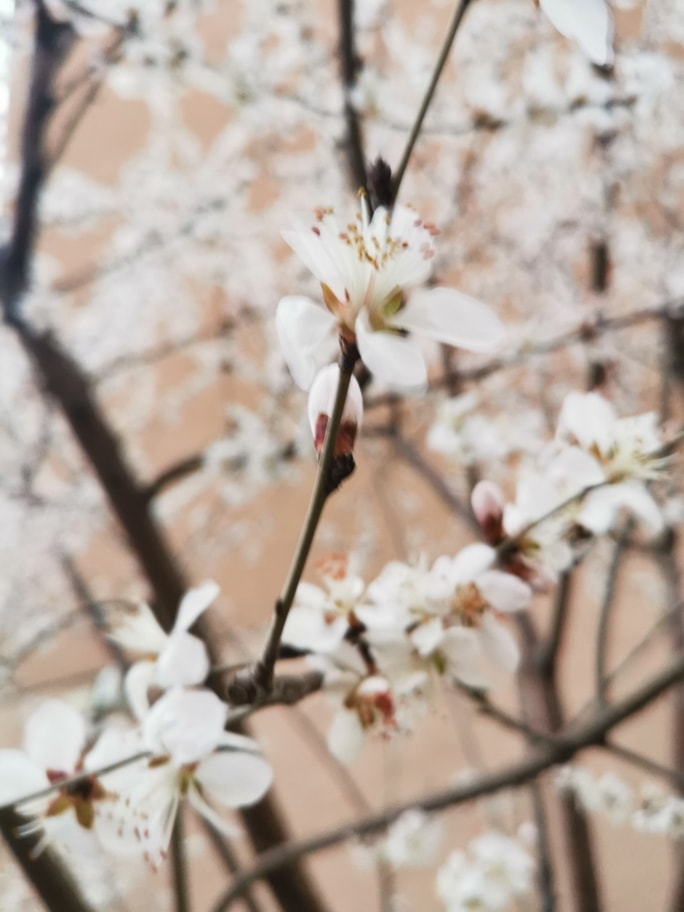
[[514, 500]]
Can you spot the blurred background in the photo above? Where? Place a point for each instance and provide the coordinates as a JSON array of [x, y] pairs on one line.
[[184, 138]]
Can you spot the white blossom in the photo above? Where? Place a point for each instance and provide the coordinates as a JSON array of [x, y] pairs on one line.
[[192, 757], [180, 658], [364, 267]]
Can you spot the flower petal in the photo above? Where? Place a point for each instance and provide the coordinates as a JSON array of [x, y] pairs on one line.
[[503, 591], [447, 315], [468, 563], [345, 737], [207, 811], [498, 643], [428, 636], [392, 359], [588, 22], [302, 327], [600, 507], [461, 649], [187, 724], [183, 662], [235, 778], [139, 678], [19, 776], [309, 628], [55, 735], [193, 603], [134, 626]]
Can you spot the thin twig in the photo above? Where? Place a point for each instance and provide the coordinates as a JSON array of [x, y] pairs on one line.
[[547, 654], [321, 490], [605, 612], [230, 860], [179, 868], [456, 20]]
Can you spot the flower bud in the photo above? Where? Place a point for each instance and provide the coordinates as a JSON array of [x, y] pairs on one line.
[[487, 502], [321, 404]]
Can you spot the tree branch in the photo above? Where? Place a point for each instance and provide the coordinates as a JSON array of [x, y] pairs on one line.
[[456, 20], [350, 64], [567, 745]]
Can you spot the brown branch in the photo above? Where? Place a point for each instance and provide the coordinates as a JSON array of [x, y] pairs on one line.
[[45, 871], [174, 473], [540, 696], [179, 867], [592, 733], [287, 690], [350, 64], [52, 43], [673, 582], [605, 612]]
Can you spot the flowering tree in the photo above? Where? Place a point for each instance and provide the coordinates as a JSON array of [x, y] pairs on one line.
[[499, 555]]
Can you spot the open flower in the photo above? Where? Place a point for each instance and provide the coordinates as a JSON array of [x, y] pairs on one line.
[[479, 593], [617, 454], [364, 268], [55, 742], [192, 757], [177, 659]]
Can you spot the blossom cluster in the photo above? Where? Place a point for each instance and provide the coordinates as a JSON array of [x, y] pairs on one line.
[[653, 811], [597, 466], [125, 784], [382, 647], [494, 871]]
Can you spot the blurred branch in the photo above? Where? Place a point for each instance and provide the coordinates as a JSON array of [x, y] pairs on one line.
[[179, 868], [541, 699], [90, 89], [671, 574], [350, 64], [230, 860], [566, 746], [547, 652], [605, 612], [43, 869], [174, 473]]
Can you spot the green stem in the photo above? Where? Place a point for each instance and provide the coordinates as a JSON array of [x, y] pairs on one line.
[[319, 495], [179, 868]]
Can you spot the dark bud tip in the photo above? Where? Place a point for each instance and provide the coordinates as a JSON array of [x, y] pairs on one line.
[[341, 468], [380, 183]]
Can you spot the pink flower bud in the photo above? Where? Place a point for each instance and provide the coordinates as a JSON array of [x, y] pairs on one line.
[[321, 403], [487, 501]]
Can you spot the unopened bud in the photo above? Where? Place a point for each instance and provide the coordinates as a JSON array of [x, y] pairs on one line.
[[487, 502], [321, 404]]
